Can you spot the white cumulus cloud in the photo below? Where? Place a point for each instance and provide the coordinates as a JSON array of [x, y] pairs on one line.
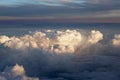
[[64, 41], [95, 36], [16, 72], [116, 40]]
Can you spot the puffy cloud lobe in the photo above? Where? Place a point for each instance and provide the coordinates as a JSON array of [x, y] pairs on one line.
[[3, 39], [16, 72], [90, 42], [63, 41], [67, 41], [95, 36], [37, 40], [116, 40], [69, 37]]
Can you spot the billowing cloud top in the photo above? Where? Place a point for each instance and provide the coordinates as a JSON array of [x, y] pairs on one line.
[[116, 40], [16, 72], [62, 42]]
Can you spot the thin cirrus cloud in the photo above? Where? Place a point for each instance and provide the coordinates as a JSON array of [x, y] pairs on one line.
[[60, 8]]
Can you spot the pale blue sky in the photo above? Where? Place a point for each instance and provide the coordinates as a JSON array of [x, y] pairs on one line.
[[44, 2]]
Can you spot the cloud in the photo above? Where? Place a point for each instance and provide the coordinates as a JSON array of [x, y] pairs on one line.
[[3, 39], [57, 1], [116, 40], [67, 41], [67, 0], [16, 72], [46, 55], [95, 37], [69, 9], [63, 42], [104, 2]]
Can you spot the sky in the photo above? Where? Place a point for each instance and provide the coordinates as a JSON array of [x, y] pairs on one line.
[[61, 10]]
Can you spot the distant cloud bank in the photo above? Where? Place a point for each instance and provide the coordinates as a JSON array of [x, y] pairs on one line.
[[60, 55]]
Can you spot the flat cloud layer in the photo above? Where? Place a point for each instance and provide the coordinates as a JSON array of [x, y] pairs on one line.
[[67, 10], [60, 55]]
